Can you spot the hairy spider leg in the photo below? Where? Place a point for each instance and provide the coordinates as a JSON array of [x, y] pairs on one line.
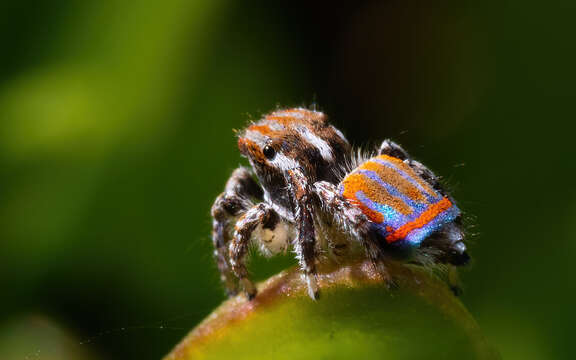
[[233, 202], [260, 214]]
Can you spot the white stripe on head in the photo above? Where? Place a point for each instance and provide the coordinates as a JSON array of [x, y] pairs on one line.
[[339, 133], [285, 163], [312, 139], [257, 137], [274, 125], [298, 113]]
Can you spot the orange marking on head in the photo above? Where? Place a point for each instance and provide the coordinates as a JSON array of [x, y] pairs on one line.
[[289, 117], [286, 121], [427, 216], [262, 129], [299, 111], [408, 170], [251, 149], [291, 111], [392, 177]]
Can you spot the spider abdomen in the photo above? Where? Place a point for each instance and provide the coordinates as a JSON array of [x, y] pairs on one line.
[[401, 205]]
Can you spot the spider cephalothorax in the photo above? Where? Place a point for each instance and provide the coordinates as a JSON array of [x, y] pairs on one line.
[[387, 205], [289, 145]]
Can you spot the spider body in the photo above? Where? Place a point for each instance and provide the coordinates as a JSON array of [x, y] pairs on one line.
[[387, 203]]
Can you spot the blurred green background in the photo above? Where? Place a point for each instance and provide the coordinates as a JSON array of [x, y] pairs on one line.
[[116, 123]]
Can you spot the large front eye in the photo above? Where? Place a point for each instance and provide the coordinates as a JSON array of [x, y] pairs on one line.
[[269, 152]]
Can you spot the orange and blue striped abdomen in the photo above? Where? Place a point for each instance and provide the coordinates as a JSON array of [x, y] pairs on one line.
[[400, 204]]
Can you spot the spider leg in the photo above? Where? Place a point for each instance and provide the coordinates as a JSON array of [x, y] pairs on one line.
[[427, 175], [353, 221], [390, 148], [305, 242], [260, 214], [233, 202]]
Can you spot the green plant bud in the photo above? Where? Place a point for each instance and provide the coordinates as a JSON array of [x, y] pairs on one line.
[[356, 317]]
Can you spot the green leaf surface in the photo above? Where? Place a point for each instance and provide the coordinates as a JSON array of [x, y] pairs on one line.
[[357, 316]]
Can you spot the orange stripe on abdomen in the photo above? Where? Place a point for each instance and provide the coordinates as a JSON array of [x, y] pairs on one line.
[[391, 176], [375, 192], [427, 216], [410, 172]]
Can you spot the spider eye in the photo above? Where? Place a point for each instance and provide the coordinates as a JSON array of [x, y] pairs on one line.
[[269, 152]]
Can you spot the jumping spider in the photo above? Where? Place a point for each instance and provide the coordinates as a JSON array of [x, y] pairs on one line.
[[310, 183]]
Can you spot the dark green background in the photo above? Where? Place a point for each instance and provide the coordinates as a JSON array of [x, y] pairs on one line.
[[116, 123]]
